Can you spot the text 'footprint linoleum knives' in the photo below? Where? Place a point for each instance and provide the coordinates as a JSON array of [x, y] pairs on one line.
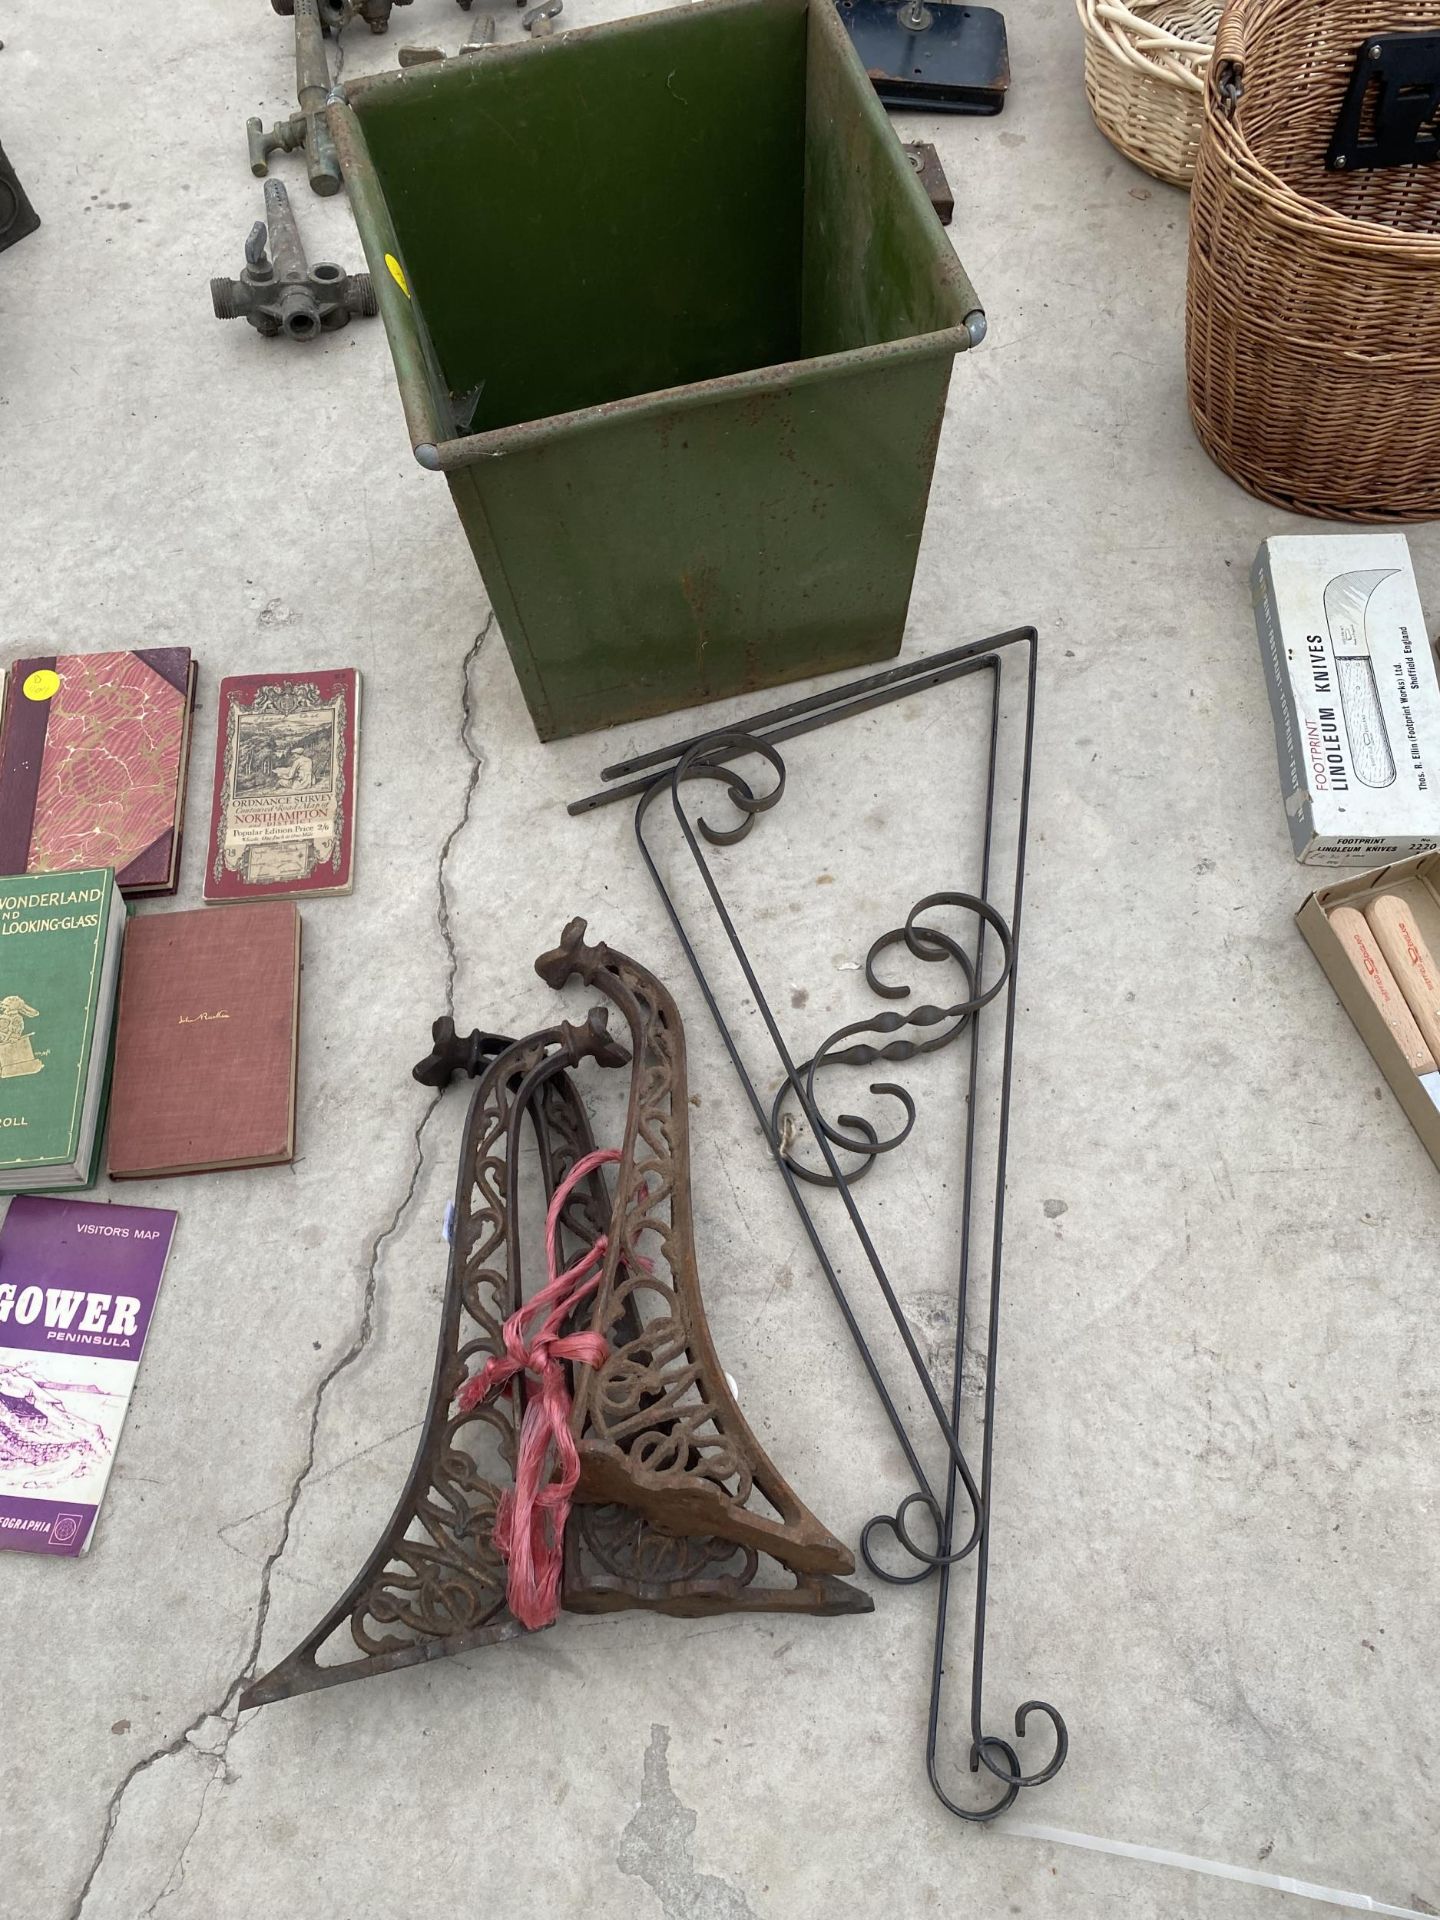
[[1347, 597], [1354, 695]]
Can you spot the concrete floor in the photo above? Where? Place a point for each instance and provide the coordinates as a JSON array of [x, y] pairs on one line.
[[1215, 1542]]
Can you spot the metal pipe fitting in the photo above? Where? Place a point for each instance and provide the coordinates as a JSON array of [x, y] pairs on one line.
[[280, 292], [335, 14], [309, 128]]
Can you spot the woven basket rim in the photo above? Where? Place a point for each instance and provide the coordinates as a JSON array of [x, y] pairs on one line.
[[1120, 13], [1118, 21], [1143, 47], [1286, 203], [1295, 208]]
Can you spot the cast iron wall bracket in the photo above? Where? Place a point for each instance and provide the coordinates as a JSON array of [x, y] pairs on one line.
[[664, 1519]]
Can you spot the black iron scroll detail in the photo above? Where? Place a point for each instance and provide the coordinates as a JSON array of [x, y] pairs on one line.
[[850, 1145]]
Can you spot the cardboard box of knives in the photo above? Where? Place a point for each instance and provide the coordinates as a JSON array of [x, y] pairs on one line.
[[1377, 935], [1354, 695]]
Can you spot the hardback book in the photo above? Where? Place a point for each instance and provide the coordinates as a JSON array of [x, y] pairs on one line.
[[283, 821], [206, 1042], [77, 1289], [60, 941], [93, 761]]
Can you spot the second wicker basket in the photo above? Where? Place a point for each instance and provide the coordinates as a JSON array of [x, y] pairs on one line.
[[1145, 78]]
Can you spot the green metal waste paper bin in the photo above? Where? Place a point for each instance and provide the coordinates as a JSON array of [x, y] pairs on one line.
[[671, 312]]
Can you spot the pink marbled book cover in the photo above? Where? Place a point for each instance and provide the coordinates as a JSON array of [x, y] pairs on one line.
[[93, 763]]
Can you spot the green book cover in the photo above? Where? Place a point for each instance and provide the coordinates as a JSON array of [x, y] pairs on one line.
[[52, 949]]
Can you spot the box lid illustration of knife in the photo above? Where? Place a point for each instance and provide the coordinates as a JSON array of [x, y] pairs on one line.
[[1347, 598]]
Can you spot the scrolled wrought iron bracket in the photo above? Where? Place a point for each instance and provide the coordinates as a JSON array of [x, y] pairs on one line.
[[986, 962]]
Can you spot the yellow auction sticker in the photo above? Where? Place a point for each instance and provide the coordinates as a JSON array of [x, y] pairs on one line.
[[43, 684], [397, 274]]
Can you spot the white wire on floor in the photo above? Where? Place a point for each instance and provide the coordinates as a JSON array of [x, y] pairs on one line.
[[1216, 1869]]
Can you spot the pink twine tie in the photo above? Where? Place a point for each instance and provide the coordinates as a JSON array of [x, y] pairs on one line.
[[530, 1521]]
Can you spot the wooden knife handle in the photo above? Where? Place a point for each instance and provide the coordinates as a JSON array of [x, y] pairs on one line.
[[1398, 936], [1352, 930]]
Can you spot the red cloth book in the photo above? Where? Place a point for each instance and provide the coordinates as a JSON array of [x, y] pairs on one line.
[[283, 820], [93, 762], [206, 1042]]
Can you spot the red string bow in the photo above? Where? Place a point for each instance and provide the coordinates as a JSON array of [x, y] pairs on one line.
[[530, 1521]]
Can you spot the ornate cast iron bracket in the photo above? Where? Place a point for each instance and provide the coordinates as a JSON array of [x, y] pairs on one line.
[[656, 1424], [666, 1517]]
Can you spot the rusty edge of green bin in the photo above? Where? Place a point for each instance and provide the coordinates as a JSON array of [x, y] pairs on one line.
[[416, 369]]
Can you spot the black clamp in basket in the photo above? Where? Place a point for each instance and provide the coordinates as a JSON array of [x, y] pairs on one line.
[[1399, 73]]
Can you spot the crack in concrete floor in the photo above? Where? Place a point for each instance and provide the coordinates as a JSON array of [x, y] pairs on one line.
[[226, 1711]]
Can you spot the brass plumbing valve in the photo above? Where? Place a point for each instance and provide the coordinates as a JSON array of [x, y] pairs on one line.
[[280, 292]]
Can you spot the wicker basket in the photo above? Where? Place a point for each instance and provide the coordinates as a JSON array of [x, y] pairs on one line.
[[1145, 78], [1313, 313]]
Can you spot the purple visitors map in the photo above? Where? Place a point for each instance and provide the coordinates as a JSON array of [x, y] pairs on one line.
[[77, 1287]]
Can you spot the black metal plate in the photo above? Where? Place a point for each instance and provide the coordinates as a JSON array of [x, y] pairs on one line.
[[1404, 70], [958, 63], [17, 216]]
